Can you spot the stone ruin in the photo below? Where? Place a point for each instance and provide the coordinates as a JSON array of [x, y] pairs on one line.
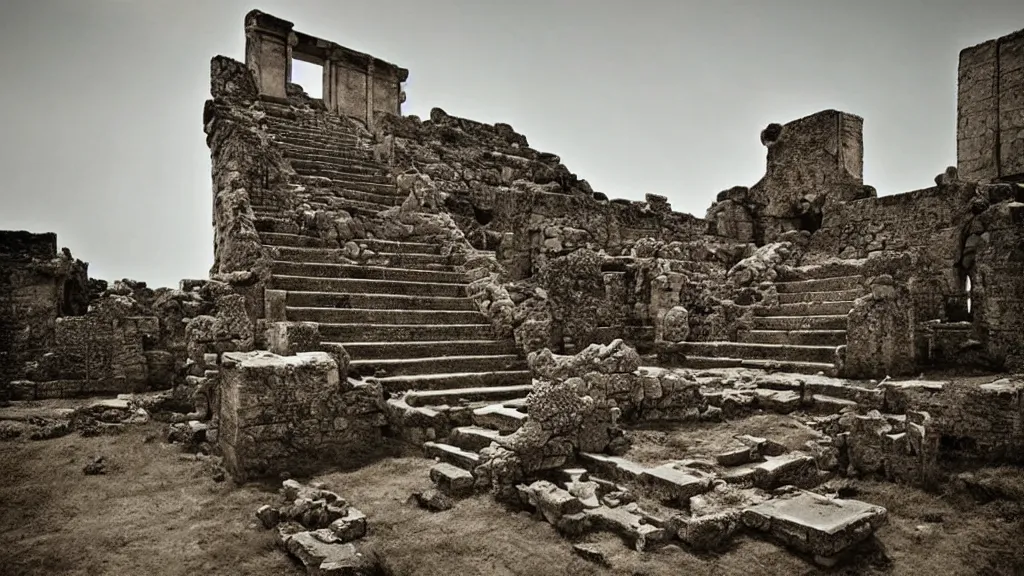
[[440, 282]]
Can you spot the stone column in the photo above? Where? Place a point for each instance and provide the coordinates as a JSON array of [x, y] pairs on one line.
[[268, 45]]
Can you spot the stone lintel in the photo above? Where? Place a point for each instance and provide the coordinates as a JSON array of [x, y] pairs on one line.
[[318, 51]]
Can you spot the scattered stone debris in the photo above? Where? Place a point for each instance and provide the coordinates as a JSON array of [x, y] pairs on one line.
[[318, 527]]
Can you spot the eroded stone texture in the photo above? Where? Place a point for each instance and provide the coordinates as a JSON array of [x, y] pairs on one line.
[[814, 524], [989, 112], [880, 332], [292, 413]]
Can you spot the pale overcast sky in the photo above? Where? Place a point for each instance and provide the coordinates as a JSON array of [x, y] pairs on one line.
[[101, 100]]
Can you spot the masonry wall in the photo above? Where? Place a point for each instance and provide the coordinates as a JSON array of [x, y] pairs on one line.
[[29, 303], [990, 110], [927, 223]]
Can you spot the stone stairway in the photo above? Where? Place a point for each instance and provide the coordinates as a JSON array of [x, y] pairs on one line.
[[402, 314], [801, 334]]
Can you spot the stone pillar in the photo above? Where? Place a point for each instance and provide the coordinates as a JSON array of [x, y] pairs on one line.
[[990, 111], [880, 332], [268, 45]]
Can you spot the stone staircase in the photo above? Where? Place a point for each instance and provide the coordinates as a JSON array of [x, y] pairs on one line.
[[801, 334], [403, 315]]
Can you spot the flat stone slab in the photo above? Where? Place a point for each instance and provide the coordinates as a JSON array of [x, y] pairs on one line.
[[451, 480], [612, 467], [632, 527], [672, 484], [499, 417], [323, 555], [814, 524], [453, 455], [473, 437]]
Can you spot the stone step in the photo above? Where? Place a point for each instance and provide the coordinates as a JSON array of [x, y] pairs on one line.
[[350, 155], [297, 240], [462, 395], [334, 143], [275, 224], [342, 163], [362, 332], [363, 285], [474, 438], [821, 284], [384, 317], [753, 351], [384, 350], [376, 301], [325, 270], [332, 255], [452, 455], [293, 128], [315, 138], [265, 221], [808, 309], [395, 384], [381, 368], [343, 179], [828, 296], [393, 246], [504, 419], [787, 366], [795, 337], [327, 188], [832, 322]]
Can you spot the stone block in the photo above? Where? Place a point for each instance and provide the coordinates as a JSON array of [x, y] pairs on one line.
[[290, 338], [451, 480], [351, 526], [671, 484], [551, 501], [814, 524], [286, 413], [630, 526]]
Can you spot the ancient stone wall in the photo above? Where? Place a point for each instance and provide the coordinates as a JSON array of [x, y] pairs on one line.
[[993, 256], [37, 286], [926, 223], [990, 110]]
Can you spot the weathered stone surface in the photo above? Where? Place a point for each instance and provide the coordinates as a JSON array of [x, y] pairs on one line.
[[815, 524], [880, 332], [289, 413], [451, 480]]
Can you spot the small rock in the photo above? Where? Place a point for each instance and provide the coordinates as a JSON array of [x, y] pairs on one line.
[[433, 500], [269, 516], [95, 466], [591, 553]]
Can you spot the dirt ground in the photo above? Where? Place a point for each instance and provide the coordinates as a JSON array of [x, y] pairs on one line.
[[658, 444], [156, 513]]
